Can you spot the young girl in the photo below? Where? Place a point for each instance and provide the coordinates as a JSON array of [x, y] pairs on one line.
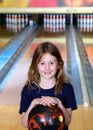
[[47, 84]]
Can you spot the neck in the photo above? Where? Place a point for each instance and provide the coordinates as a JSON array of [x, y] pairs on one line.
[[47, 83]]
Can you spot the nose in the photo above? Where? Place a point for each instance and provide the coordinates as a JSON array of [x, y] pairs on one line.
[[47, 67]]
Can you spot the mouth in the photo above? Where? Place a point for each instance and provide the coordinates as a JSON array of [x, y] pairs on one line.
[[47, 73]]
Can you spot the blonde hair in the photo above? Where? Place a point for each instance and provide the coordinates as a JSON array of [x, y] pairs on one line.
[[33, 74]]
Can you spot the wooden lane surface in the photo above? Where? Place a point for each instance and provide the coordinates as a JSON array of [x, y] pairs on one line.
[[5, 36], [82, 118], [10, 119]]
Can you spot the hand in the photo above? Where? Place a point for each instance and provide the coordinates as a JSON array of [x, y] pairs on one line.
[[35, 102], [48, 101]]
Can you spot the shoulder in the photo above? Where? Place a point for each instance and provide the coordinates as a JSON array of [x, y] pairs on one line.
[[24, 90], [67, 89], [69, 96], [67, 85], [27, 89]]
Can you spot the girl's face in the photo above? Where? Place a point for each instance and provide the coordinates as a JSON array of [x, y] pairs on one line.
[[47, 67]]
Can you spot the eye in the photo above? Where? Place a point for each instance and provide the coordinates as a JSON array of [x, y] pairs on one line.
[[42, 63], [51, 63]]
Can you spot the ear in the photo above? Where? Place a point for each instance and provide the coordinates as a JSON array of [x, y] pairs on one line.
[[60, 65]]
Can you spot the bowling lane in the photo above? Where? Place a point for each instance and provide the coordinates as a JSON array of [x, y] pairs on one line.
[[88, 41], [17, 76], [5, 36]]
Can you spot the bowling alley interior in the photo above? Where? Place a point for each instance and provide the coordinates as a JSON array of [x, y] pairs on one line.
[[26, 23]]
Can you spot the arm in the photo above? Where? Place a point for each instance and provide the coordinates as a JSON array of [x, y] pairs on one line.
[[67, 112], [24, 118]]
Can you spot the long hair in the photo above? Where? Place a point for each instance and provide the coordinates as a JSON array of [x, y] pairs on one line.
[[33, 74]]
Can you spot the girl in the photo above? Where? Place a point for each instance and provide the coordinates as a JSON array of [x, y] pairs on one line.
[[47, 84]]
